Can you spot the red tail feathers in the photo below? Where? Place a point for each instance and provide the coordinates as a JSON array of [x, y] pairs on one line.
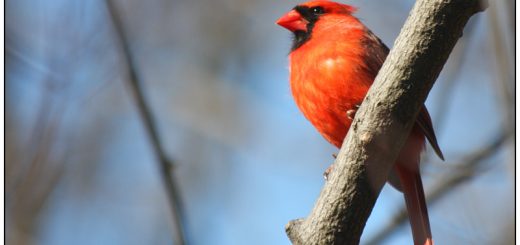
[[416, 204]]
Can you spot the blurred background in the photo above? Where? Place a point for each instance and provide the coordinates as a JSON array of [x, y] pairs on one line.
[[102, 97]]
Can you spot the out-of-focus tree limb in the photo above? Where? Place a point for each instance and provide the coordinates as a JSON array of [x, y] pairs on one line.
[[452, 74], [466, 169], [504, 66], [388, 112], [29, 190], [504, 73], [165, 164]]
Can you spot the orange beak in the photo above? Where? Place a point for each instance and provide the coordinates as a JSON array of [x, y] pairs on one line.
[[293, 21]]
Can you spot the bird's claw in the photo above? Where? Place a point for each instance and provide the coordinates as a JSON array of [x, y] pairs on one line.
[[352, 112], [327, 172]]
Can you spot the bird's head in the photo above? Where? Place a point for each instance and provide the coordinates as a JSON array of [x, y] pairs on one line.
[[302, 18]]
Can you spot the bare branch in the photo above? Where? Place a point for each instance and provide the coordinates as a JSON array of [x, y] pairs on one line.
[[467, 169], [505, 75], [452, 73], [388, 113], [165, 164]]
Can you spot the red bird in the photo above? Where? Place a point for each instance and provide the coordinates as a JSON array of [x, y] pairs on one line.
[[333, 61]]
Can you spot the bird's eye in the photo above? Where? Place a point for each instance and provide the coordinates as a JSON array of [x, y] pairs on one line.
[[317, 10]]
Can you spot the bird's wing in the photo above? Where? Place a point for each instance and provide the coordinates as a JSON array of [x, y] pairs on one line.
[[424, 122], [376, 52]]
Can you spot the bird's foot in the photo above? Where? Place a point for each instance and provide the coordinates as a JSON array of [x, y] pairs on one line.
[[352, 113], [330, 168], [327, 172]]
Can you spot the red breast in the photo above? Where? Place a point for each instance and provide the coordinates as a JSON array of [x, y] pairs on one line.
[[328, 74]]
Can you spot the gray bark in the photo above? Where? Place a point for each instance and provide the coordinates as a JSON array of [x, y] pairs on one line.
[[383, 122]]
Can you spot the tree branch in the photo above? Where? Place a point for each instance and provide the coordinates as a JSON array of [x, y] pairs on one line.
[[388, 113], [165, 164]]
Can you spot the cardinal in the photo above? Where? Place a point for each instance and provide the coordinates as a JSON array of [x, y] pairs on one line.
[[334, 60]]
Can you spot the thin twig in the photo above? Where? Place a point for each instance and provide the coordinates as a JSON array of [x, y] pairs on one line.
[[467, 169], [165, 164], [452, 75], [504, 83]]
